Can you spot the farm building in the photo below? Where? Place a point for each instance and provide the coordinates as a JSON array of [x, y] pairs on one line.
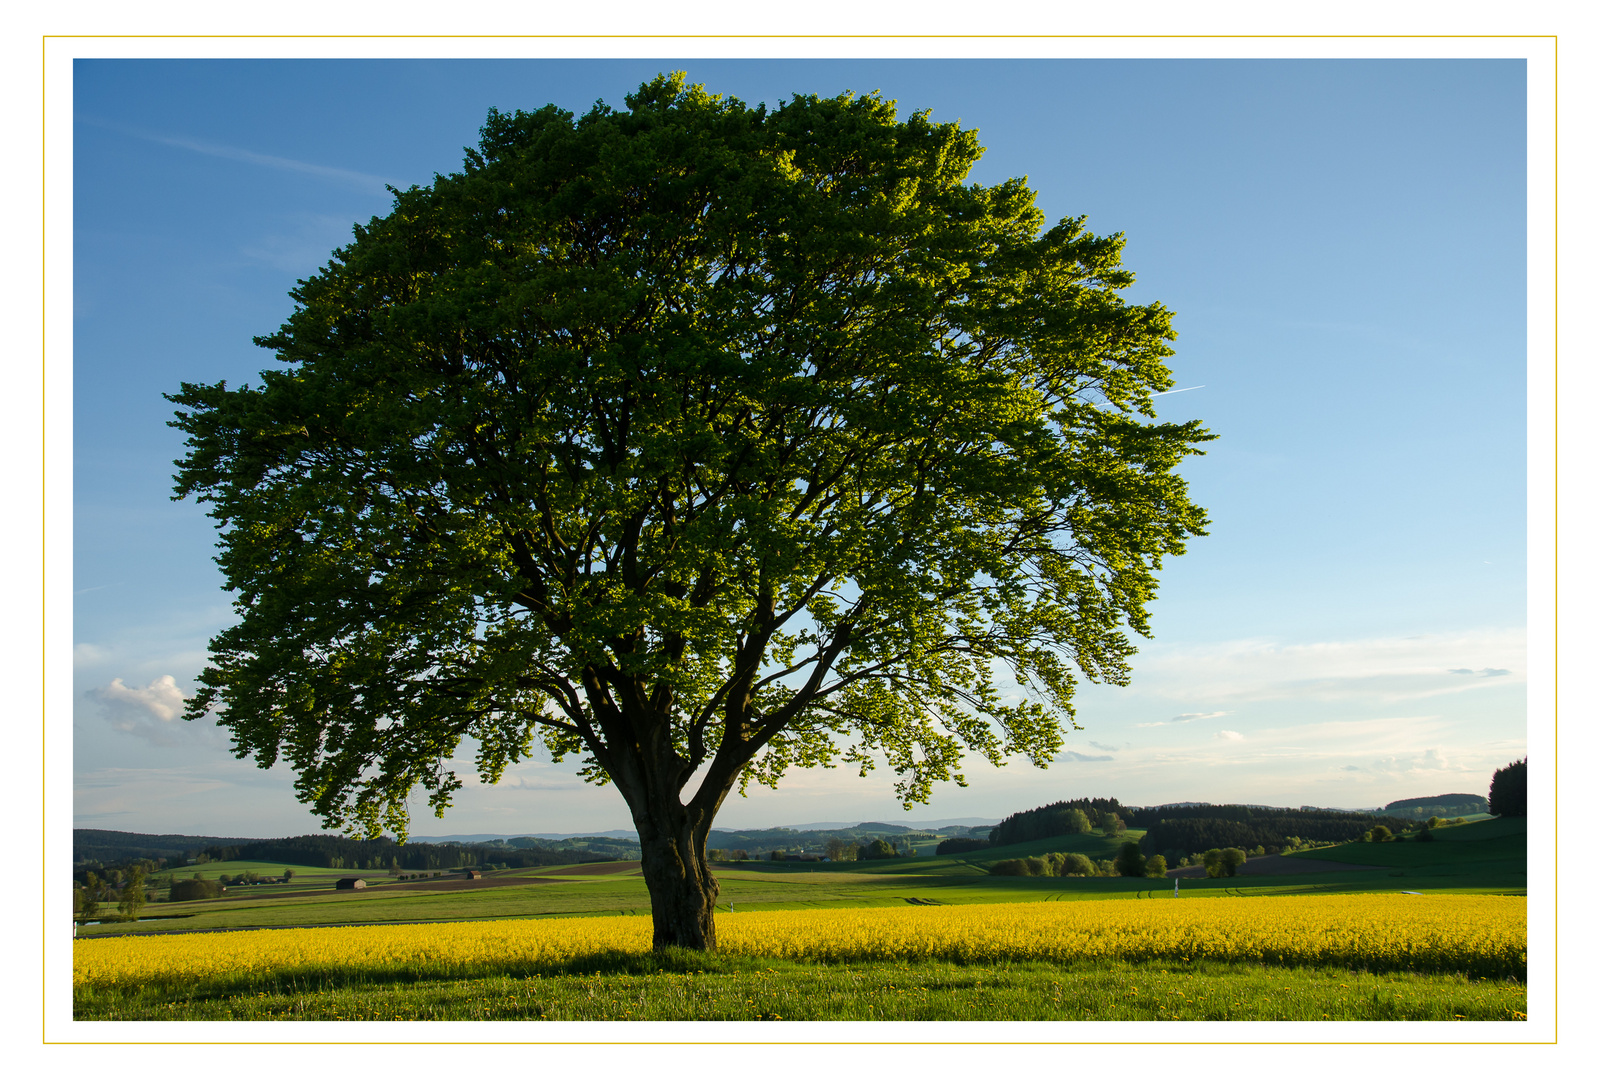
[[472, 874], [350, 883]]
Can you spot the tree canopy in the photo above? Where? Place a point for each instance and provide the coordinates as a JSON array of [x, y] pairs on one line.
[[1508, 790], [697, 441]]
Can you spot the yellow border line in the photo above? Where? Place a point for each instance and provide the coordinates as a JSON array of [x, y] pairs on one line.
[[44, 496], [1555, 538], [806, 37], [1555, 426]]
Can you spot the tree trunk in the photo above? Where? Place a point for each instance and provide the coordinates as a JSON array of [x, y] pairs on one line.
[[683, 894]]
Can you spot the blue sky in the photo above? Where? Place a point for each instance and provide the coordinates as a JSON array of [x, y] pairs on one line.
[[1343, 244]]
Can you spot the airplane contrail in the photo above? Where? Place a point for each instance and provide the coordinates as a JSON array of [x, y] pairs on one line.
[[360, 180], [1164, 393]]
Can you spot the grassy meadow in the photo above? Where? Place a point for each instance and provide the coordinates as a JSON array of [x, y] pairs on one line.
[[926, 938]]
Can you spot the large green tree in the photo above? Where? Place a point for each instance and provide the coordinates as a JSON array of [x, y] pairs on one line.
[[1508, 790], [697, 441]]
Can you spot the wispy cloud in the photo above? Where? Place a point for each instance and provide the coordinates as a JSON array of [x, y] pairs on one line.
[[1229, 736], [1073, 755], [1431, 760], [346, 177], [1378, 669], [1184, 718]]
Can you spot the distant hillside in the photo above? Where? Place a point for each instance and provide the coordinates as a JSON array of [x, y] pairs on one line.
[[815, 840], [940, 824], [494, 837], [98, 847], [1445, 806], [1202, 828], [610, 845], [352, 853], [1177, 829], [106, 846]]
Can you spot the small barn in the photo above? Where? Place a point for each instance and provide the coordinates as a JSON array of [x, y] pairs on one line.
[[470, 874], [350, 883]]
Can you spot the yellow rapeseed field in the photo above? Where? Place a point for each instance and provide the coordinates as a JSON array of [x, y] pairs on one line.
[[1484, 935]]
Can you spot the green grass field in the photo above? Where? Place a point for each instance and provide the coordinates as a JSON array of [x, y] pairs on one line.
[[692, 987], [1492, 845], [1484, 856]]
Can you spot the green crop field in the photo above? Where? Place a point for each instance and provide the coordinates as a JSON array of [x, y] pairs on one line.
[[1490, 845], [1481, 857], [304, 876], [1487, 856]]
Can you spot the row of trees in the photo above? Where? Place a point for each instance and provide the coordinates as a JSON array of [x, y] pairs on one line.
[[1223, 862], [1187, 828], [93, 895], [959, 845], [815, 839], [836, 849], [1130, 862], [1248, 827]]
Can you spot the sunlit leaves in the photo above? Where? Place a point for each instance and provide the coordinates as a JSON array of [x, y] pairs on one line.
[[689, 437]]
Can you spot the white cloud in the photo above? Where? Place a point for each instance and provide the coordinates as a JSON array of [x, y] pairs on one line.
[[1229, 736], [161, 699], [1073, 755], [150, 712]]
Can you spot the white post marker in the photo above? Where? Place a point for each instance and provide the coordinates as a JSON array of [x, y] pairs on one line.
[[1175, 880]]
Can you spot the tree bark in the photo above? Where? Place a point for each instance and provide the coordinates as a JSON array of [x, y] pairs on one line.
[[683, 892], [639, 756]]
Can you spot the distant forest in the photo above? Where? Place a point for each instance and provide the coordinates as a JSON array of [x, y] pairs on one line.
[[96, 849], [100, 848], [1172, 829], [107, 848], [1188, 829], [1193, 827], [1445, 806], [1057, 820], [815, 840]]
